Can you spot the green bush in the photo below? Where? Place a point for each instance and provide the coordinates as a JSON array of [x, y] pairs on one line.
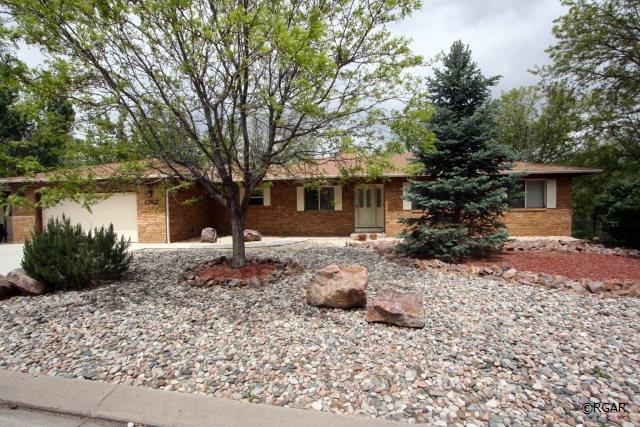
[[618, 209], [63, 256]]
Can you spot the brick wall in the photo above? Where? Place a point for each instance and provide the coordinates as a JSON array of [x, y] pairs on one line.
[[282, 218], [393, 207], [544, 222], [24, 220], [519, 222], [152, 220], [190, 210], [150, 209]]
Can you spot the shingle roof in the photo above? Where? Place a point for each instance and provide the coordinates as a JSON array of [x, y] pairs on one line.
[[332, 168], [327, 168]]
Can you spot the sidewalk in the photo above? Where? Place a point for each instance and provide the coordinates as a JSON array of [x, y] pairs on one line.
[[11, 254], [100, 403]]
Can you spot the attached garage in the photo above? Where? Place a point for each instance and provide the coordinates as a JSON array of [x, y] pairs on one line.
[[121, 209]]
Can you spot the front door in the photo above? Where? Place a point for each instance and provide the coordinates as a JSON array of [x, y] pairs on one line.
[[364, 204], [369, 206]]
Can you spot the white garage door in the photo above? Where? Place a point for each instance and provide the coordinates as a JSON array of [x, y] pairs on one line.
[[119, 209]]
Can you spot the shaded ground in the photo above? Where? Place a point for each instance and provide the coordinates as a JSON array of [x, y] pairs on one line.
[[573, 265]]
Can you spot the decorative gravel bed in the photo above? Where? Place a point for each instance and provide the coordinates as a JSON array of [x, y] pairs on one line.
[[490, 352], [573, 265]]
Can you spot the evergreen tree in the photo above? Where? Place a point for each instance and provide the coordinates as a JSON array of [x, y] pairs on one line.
[[463, 196]]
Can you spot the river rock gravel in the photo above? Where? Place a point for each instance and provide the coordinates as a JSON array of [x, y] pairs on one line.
[[491, 352]]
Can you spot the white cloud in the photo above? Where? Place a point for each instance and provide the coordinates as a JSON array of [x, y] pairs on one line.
[[507, 37]]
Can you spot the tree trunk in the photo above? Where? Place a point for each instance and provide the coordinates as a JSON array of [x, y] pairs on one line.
[[237, 233]]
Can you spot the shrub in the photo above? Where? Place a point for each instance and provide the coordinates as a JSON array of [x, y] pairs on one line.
[[63, 256], [618, 208]]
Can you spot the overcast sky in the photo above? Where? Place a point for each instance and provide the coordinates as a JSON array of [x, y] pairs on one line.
[[507, 37]]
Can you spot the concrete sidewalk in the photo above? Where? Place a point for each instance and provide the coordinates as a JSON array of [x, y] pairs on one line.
[[98, 403], [11, 254]]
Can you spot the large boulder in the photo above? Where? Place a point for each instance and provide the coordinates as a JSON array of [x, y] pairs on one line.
[[25, 284], [338, 286], [252, 236], [6, 290], [396, 308], [209, 235]]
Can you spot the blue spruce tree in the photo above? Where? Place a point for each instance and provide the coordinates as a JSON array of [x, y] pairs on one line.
[[461, 193]]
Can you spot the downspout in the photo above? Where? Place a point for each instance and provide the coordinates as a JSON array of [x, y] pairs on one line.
[[166, 210]]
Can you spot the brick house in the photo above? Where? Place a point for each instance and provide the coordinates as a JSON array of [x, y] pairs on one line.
[[147, 212]]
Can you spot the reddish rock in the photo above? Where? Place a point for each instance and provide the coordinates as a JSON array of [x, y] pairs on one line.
[[6, 290], [252, 236], [397, 308], [209, 235], [25, 284], [338, 286]]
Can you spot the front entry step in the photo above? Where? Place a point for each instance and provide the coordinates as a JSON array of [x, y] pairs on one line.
[[364, 236]]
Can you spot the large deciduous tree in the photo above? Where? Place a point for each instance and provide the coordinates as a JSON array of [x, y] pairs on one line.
[[539, 122], [598, 56], [462, 195], [36, 117], [222, 90]]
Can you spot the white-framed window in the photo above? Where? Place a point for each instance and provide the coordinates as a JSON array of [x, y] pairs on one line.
[[258, 196], [319, 199], [406, 204], [327, 198], [535, 193]]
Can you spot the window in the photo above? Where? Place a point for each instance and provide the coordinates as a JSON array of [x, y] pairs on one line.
[[516, 201], [531, 194], [321, 199], [256, 198], [534, 193], [364, 197], [378, 197]]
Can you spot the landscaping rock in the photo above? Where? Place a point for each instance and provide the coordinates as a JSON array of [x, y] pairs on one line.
[[209, 235], [338, 286], [256, 273], [595, 287], [575, 286], [228, 343], [6, 290], [396, 308], [510, 273], [567, 246], [25, 284], [505, 272], [252, 236]]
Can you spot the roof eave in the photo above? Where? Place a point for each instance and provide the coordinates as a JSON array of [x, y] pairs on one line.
[[554, 172]]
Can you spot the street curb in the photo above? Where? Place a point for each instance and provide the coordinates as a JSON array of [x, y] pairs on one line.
[[123, 403]]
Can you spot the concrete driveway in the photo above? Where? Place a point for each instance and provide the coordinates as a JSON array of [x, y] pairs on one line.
[[11, 254]]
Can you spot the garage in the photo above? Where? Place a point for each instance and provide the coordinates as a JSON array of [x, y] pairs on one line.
[[121, 209]]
